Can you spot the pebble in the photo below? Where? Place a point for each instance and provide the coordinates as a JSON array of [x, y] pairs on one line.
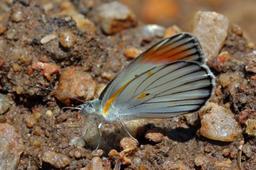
[[155, 11], [73, 84], [211, 29], [223, 164], [115, 17], [30, 121], [155, 137], [247, 150], [67, 39], [132, 53], [17, 16], [57, 160], [128, 143], [47, 69], [48, 38], [95, 164], [84, 24], [177, 165], [251, 127], [244, 115], [5, 104], [251, 66], [223, 57], [171, 31], [218, 123], [11, 147], [91, 132], [229, 78], [77, 142], [151, 31], [201, 160], [3, 28], [100, 88], [49, 113]]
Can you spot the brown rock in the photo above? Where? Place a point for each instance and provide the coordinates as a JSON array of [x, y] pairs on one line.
[[3, 28], [251, 127], [128, 143], [75, 83], [201, 160], [115, 17], [10, 147], [155, 137], [17, 16], [172, 30], [155, 11], [95, 164], [175, 165], [47, 69], [218, 123], [30, 121], [131, 53], [5, 103], [67, 39], [57, 160]]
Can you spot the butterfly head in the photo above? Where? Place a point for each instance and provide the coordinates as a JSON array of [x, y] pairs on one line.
[[89, 107]]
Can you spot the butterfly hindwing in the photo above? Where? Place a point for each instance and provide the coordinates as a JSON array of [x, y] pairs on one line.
[[175, 88]]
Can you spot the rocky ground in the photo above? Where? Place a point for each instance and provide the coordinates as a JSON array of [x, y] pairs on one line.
[[60, 53]]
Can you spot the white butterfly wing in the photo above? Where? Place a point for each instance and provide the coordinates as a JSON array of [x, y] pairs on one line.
[[151, 64]]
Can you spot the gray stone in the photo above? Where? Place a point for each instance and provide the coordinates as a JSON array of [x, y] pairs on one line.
[[115, 17], [148, 32], [211, 29], [57, 160], [5, 104], [10, 147], [218, 123]]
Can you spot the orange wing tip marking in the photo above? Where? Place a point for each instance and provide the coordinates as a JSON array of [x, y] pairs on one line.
[[112, 99]]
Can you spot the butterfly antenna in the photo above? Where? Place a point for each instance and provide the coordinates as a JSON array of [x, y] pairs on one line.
[[78, 108]]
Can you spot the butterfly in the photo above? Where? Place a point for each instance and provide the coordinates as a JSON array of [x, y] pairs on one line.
[[169, 79]]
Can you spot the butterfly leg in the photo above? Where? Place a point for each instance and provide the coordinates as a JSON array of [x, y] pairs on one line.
[[126, 130], [100, 126]]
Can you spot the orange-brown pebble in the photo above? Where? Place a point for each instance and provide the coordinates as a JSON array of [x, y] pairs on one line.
[[30, 121], [107, 75], [223, 57], [131, 53], [48, 69], [67, 39], [155, 137], [172, 30], [251, 127], [128, 143], [3, 28], [95, 164], [155, 11], [75, 83]]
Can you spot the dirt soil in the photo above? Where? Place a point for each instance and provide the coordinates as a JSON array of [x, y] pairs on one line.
[[41, 48]]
